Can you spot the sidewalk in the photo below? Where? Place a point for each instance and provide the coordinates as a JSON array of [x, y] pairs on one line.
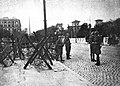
[[59, 76]]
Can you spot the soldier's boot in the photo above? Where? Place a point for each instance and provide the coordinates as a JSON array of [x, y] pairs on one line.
[[93, 57], [57, 57], [98, 60], [68, 56], [61, 58]]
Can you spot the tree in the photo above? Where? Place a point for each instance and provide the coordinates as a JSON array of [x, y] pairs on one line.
[[108, 28], [117, 26], [5, 33], [84, 31], [1, 33]]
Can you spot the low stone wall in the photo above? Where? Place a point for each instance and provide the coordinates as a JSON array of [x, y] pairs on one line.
[[83, 40], [105, 40], [78, 40]]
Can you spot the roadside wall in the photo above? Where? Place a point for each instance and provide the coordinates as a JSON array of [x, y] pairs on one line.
[[82, 40]]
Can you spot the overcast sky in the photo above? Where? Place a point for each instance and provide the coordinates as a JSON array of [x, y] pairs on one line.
[[59, 11]]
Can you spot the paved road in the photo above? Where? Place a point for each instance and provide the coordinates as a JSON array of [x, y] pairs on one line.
[[107, 74], [15, 75]]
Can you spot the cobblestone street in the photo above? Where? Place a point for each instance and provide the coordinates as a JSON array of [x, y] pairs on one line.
[[107, 74]]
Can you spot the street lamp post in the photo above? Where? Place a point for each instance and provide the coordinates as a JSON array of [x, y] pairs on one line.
[[45, 21], [75, 34], [29, 32]]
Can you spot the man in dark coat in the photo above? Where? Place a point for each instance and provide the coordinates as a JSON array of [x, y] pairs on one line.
[[59, 47], [92, 54], [95, 46], [67, 46]]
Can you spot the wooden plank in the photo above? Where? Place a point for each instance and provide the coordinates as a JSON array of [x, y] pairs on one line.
[[38, 48]]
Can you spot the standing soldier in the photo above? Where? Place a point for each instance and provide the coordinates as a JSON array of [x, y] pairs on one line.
[[59, 47], [67, 46], [92, 54], [95, 45]]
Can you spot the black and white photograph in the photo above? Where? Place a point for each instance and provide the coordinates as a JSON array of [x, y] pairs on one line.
[[59, 42]]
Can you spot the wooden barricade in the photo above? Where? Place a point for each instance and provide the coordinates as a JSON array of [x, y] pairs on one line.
[[37, 52], [49, 56], [6, 53]]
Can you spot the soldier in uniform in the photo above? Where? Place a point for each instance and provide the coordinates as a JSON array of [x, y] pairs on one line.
[[92, 54], [59, 47], [95, 46], [67, 46]]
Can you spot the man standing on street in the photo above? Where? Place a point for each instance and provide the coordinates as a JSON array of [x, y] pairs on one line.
[[92, 54], [67, 46], [59, 47], [95, 44]]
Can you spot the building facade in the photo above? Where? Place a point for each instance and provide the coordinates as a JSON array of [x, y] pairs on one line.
[[72, 30], [10, 24], [98, 21]]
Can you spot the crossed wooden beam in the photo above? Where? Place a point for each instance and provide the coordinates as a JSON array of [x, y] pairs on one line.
[[6, 53], [37, 52]]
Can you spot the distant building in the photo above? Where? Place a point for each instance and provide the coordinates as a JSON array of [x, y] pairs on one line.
[[99, 21], [72, 30], [10, 24]]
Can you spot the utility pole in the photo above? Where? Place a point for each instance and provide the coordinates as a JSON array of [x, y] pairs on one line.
[[45, 21], [75, 33], [29, 27]]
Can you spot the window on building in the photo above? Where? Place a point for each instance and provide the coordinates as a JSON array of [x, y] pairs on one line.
[[1, 25], [12, 23], [8, 24], [5, 22], [5, 25], [7, 29]]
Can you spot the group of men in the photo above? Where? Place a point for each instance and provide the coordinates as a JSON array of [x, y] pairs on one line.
[[95, 41], [63, 40]]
